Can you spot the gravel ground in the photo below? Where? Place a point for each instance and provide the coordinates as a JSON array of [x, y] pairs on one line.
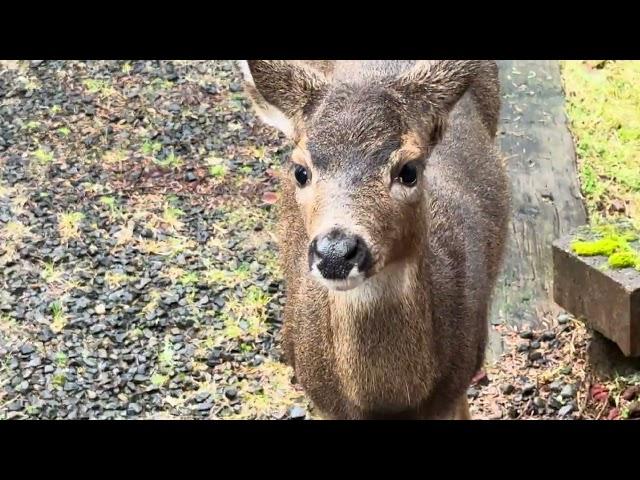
[[138, 274]]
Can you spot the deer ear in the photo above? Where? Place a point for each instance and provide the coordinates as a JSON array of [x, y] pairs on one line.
[[436, 85], [281, 91], [430, 90]]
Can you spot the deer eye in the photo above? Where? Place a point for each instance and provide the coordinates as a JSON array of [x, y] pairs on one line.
[[408, 175], [302, 175]]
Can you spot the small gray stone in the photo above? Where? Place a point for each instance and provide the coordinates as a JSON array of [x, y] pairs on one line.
[[15, 406], [554, 403], [548, 336], [564, 318], [34, 362], [566, 410], [535, 355], [568, 391], [555, 386], [507, 389], [528, 388], [23, 386], [203, 407], [297, 412]]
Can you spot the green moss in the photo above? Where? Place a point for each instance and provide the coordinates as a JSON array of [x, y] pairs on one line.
[[603, 246], [624, 259], [614, 241]]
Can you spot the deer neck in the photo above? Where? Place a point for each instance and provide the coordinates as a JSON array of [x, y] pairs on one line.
[[378, 331]]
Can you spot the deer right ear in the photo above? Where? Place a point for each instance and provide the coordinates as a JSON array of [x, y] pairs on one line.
[[281, 91]]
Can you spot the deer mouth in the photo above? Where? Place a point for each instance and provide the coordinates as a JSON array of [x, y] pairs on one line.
[[354, 279]]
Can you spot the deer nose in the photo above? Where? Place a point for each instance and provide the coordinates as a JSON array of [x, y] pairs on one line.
[[337, 253]]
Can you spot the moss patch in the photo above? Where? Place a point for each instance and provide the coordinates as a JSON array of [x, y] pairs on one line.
[[625, 259], [617, 242]]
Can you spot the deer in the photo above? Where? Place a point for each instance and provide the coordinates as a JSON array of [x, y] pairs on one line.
[[393, 216]]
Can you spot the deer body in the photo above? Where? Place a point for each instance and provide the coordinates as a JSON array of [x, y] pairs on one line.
[[397, 326]]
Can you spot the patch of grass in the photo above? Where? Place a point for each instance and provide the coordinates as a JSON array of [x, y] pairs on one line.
[[231, 329], [165, 357], [603, 106], [116, 278], [32, 125], [136, 333], [100, 87], [69, 225], [49, 273], [115, 157], [161, 84], [251, 310], [64, 131], [173, 273], [189, 278], [58, 379], [276, 393], [93, 188], [14, 231], [58, 317], [171, 216], [170, 246], [61, 359], [170, 161], [55, 109], [154, 301], [217, 171], [125, 234], [159, 380], [126, 68], [269, 259], [242, 217], [150, 148], [32, 410], [216, 277], [33, 84], [111, 203], [108, 201], [44, 157], [217, 168]]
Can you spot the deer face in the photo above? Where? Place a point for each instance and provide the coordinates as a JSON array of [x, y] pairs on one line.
[[359, 159]]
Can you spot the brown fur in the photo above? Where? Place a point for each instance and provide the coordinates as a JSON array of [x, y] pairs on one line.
[[405, 343]]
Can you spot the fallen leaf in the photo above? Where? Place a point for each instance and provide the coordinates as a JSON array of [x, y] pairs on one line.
[[269, 197], [614, 414]]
